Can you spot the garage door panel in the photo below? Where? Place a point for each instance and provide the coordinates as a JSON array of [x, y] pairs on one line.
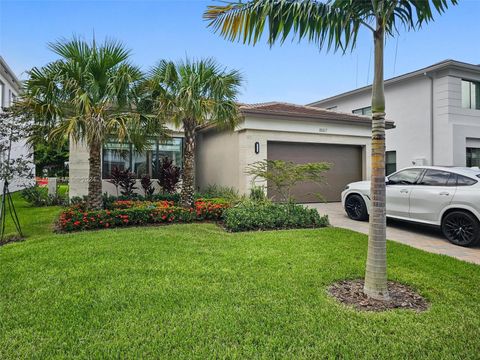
[[346, 163]]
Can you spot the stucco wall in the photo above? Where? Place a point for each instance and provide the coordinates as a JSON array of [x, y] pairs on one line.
[[217, 159], [408, 103]]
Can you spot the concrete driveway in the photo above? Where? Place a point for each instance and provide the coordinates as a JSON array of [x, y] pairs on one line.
[[419, 236]]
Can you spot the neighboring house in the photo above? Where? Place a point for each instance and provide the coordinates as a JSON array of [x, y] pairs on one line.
[[268, 131], [436, 112], [9, 90]]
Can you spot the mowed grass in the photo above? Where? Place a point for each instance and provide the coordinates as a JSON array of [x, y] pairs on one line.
[[194, 291]]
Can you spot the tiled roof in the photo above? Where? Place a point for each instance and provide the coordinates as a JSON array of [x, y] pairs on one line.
[[302, 112]]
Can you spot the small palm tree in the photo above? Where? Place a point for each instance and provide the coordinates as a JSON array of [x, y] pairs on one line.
[[336, 24], [191, 94], [88, 95]]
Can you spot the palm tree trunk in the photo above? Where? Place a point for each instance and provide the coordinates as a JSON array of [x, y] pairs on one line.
[[188, 190], [95, 179], [376, 271]]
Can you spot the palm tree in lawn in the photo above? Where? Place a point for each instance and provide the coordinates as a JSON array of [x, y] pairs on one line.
[[335, 25], [88, 95], [192, 94]]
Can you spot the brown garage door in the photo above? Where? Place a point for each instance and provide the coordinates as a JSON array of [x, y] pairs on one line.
[[346, 163]]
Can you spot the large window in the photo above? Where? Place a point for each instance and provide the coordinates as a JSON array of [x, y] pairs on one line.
[[124, 156], [367, 111], [143, 163], [390, 162], [115, 155], [473, 156], [470, 94]]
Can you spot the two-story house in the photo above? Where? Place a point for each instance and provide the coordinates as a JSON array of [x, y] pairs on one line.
[[9, 90], [436, 112]]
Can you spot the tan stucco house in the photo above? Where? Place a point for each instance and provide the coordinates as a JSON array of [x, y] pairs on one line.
[[271, 130]]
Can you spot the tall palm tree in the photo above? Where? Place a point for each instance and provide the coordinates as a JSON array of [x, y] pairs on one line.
[[191, 94], [88, 95], [335, 24]]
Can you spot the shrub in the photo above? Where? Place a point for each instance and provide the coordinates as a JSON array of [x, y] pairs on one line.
[[37, 196], [217, 191], [136, 212], [210, 209], [250, 215], [257, 193], [282, 176], [147, 186], [169, 176], [108, 200], [127, 182], [75, 220]]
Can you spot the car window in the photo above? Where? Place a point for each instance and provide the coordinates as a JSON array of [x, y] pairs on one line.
[[433, 177], [465, 181], [452, 180], [405, 177]]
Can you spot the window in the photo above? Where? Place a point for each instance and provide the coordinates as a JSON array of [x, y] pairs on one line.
[[470, 94], [124, 156], [434, 177], [405, 177], [173, 149], [390, 162], [465, 181], [473, 157], [115, 155], [367, 111], [143, 163]]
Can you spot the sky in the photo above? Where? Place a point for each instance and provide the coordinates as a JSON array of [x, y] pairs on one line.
[[296, 72]]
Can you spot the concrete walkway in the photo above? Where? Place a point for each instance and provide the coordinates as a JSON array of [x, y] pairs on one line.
[[419, 236]]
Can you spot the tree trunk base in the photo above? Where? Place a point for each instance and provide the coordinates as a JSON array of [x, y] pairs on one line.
[[351, 293]]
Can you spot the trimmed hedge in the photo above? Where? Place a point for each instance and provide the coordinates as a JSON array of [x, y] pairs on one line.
[[128, 213], [250, 215]]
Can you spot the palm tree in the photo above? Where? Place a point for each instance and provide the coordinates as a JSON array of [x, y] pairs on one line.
[[191, 94], [335, 24], [88, 95]]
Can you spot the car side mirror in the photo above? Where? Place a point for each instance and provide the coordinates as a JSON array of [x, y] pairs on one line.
[[387, 180]]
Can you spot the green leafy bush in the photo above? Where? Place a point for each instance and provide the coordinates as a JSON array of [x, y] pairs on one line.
[[38, 196], [217, 191], [251, 215], [257, 193], [108, 200]]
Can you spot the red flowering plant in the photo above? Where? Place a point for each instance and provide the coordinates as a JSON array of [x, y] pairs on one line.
[[210, 209], [132, 212]]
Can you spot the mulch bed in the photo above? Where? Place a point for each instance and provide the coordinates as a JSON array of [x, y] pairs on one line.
[[350, 292]]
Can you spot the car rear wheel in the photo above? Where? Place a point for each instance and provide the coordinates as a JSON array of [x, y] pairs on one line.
[[461, 228], [356, 208]]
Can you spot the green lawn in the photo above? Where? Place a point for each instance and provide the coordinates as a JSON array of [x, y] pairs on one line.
[[194, 291]]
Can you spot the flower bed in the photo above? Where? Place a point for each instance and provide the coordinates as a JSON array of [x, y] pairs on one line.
[[133, 212]]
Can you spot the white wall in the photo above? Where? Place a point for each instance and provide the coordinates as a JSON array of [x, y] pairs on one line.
[[408, 104], [9, 89]]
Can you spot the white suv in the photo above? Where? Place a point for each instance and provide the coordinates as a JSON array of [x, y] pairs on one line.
[[441, 196]]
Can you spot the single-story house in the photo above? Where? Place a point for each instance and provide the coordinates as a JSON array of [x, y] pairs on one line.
[[271, 130]]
